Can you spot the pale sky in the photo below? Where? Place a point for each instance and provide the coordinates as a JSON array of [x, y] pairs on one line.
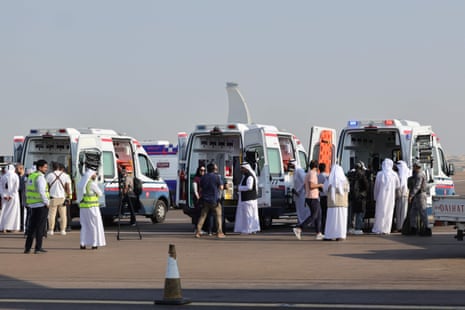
[[155, 68]]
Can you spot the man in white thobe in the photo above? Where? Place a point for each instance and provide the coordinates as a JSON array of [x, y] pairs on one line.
[[402, 200], [299, 191], [92, 230], [386, 184], [10, 218], [247, 220]]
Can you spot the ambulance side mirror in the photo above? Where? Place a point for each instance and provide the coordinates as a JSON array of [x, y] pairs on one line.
[[450, 169]]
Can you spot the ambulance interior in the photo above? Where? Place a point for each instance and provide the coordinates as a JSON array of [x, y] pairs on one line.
[[53, 149], [223, 150], [370, 147]]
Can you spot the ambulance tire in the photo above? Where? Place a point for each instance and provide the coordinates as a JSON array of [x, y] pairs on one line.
[[266, 220], [159, 212]]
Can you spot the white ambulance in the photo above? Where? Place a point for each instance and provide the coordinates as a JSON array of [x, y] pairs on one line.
[[227, 146], [164, 157], [371, 141], [74, 148]]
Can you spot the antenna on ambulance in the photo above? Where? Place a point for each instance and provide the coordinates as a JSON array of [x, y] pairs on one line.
[[238, 109]]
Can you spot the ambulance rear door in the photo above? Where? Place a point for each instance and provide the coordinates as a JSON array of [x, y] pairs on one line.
[[255, 149], [181, 193], [89, 155], [322, 146]]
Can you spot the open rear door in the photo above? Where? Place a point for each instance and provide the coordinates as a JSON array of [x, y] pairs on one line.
[[322, 146], [89, 155], [181, 189], [255, 141]]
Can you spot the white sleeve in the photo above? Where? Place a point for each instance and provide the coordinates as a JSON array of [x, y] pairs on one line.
[[248, 186], [94, 186], [42, 187]]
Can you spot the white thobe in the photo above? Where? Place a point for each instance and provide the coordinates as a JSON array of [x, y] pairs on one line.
[[247, 220], [92, 231], [386, 184], [303, 212], [10, 217]]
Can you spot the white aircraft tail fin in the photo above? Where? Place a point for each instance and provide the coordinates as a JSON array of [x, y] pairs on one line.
[[238, 109]]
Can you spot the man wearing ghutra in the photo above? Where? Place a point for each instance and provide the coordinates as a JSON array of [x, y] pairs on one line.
[[386, 184], [92, 231], [337, 188], [247, 220]]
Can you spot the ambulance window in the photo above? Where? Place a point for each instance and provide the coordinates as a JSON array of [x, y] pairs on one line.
[[442, 161], [274, 161], [108, 165], [303, 160], [146, 167]]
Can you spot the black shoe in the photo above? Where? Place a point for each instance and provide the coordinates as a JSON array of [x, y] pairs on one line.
[[94, 248], [82, 247], [38, 251], [27, 251]]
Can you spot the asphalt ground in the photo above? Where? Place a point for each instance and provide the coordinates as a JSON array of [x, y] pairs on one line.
[[271, 269]]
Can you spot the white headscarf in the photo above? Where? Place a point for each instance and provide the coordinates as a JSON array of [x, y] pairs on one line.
[[10, 169], [81, 188], [386, 172], [295, 163], [404, 173], [247, 166], [335, 182]]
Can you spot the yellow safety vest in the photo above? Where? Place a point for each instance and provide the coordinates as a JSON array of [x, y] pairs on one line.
[[32, 192], [89, 199]]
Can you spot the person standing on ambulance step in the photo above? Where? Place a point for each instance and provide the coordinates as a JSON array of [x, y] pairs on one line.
[[88, 193], [312, 200], [37, 199], [59, 184], [247, 220], [210, 185], [386, 184]]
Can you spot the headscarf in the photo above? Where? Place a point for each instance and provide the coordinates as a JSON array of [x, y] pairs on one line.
[[247, 166], [81, 188], [404, 173], [294, 163], [10, 169], [336, 181], [11, 178], [386, 172]]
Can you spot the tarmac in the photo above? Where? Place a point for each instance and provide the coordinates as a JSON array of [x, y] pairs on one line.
[[270, 269]]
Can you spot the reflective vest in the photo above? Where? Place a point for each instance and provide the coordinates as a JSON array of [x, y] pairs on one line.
[[89, 199], [32, 192]]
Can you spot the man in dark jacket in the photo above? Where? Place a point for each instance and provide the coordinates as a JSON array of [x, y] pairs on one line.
[[210, 186]]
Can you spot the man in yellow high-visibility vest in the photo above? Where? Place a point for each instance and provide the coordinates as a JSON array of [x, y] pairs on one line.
[[92, 231], [37, 199]]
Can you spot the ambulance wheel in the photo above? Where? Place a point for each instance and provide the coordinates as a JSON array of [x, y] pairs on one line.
[[266, 221], [159, 212]]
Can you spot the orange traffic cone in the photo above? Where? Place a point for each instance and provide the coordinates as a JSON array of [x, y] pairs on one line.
[[172, 293]]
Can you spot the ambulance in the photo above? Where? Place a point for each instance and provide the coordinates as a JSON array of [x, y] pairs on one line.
[[371, 141], [103, 149], [228, 145], [164, 157]]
